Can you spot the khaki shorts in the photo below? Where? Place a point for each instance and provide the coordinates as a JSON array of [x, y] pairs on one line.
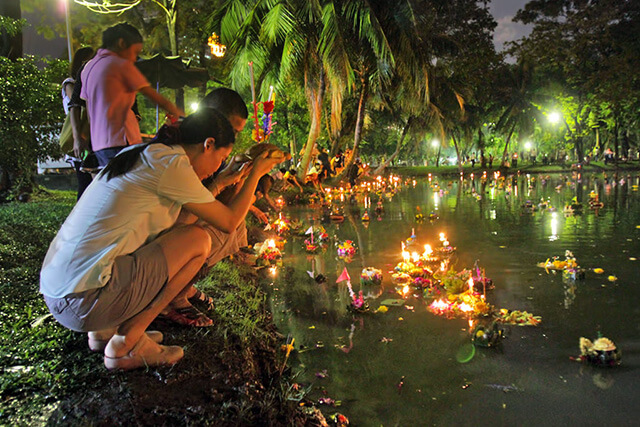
[[136, 279]]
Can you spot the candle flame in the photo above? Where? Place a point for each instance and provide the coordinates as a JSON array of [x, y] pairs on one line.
[[427, 251], [465, 307], [470, 285], [415, 256]]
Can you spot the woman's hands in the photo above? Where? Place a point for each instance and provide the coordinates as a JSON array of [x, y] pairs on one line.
[[263, 164]]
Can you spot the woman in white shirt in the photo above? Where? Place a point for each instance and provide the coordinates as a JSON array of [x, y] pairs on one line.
[[118, 261]]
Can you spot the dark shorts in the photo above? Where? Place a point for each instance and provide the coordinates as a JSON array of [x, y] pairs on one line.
[[136, 279], [106, 154]]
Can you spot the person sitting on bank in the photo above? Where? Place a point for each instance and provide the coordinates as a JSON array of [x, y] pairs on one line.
[[116, 265]]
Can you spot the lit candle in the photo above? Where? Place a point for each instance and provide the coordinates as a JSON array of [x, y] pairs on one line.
[[470, 285], [270, 93], [427, 252]]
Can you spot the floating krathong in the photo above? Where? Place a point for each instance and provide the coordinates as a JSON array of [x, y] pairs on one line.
[[268, 254], [358, 304], [487, 336], [371, 276], [521, 318], [280, 225], [412, 239], [346, 249], [601, 352], [556, 263]]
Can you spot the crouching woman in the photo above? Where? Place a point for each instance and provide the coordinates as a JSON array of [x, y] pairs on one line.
[[118, 261]]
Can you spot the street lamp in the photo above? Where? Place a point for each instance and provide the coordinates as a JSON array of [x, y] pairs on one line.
[[435, 143], [527, 145], [68, 22], [554, 117]]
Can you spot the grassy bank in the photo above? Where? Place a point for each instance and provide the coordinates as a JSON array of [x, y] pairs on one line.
[[229, 376], [449, 170]]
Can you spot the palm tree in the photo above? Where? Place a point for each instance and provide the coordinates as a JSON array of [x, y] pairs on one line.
[[518, 100]]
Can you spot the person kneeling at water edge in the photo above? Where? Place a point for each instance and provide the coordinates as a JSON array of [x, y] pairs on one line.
[[119, 261]]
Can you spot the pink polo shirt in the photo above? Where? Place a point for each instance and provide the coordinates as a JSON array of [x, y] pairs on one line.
[[109, 85]]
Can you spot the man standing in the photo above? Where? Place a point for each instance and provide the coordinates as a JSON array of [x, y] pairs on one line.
[[110, 84]]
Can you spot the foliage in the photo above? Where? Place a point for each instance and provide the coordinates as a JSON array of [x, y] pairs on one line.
[[32, 117]]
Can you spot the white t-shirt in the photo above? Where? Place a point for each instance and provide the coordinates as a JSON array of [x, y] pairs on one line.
[[117, 217]]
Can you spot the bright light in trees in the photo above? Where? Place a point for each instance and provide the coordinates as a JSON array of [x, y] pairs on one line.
[[554, 117], [194, 106], [435, 143], [527, 145]]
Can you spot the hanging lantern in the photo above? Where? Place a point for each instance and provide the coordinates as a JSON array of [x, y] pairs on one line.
[[217, 49]]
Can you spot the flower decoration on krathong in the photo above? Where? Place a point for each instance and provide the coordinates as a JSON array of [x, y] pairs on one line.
[[268, 254], [281, 225], [602, 352], [371, 276], [516, 317], [346, 249], [556, 263]]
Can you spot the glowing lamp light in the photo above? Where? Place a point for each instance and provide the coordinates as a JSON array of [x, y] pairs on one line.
[[217, 49], [527, 145], [194, 106], [406, 256], [273, 270], [435, 143], [553, 117], [415, 256], [442, 237]]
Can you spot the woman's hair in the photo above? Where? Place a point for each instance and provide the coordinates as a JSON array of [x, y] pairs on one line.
[[192, 130], [124, 31], [227, 101], [81, 56]]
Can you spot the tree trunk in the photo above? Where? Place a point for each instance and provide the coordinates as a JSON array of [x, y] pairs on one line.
[[506, 146], [315, 95], [358, 132], [455, 145], [11, 44], [385, 164]]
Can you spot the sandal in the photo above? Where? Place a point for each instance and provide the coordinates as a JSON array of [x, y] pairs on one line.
[[145, 353], [98, 344], [187, 316], [201, 297]]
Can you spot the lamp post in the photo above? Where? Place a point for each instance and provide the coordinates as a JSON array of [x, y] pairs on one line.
[[68, 22]]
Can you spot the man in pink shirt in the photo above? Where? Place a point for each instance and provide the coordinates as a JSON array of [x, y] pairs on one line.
[[110, 82]]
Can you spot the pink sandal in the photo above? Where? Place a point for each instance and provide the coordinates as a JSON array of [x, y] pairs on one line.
[[186, 316]]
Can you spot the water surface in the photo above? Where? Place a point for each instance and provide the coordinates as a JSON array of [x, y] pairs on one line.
[[530, 379]]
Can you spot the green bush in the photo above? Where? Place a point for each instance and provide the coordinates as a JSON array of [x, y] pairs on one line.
[[32, 116]]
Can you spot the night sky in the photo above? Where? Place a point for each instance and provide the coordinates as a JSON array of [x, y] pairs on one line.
[[502, 10]]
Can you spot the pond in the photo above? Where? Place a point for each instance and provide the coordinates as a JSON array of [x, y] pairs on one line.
[[408, 366]]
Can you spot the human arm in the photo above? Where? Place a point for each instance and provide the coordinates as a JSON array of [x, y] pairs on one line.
[[80, 142], [227, 217], [161, 101], [262, 217], [228, 177]]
